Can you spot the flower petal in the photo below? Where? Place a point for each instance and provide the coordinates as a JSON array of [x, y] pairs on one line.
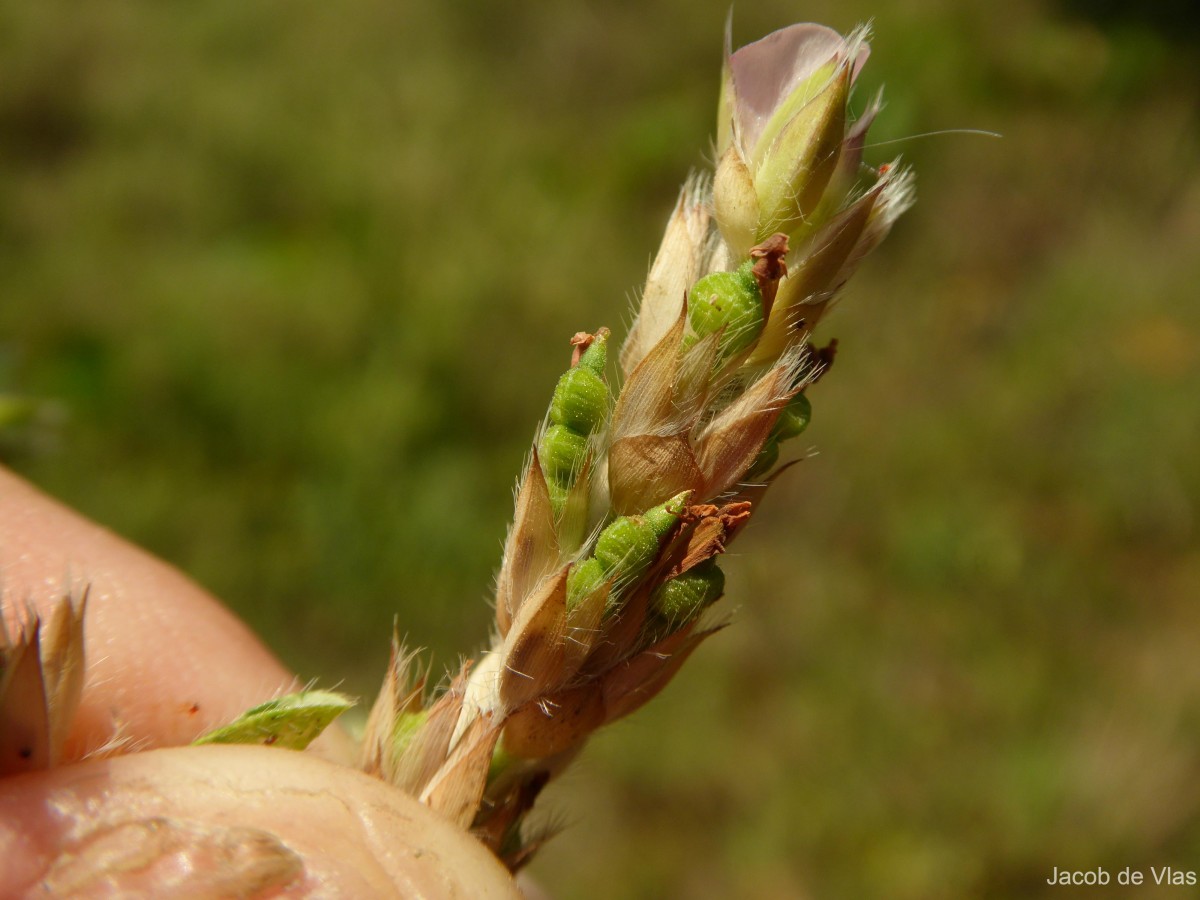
[[764, 73]]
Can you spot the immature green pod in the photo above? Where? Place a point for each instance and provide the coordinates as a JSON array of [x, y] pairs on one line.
[[585, 577], [630, 543], [561, 451], [794, 418], [625, 549], [728, 300], [577, 410], [580, 400], [681, 599], [792, 421]]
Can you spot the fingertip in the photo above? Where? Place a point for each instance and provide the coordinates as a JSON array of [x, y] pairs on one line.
[[220, 820]]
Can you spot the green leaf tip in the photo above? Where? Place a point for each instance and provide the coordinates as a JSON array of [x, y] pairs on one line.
[[292, 721]]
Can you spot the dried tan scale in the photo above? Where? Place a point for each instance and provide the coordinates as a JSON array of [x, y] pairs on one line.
[[429, 748], [402, 694], [41, 682], [730, 443], [61, 654], [456, 789], [585, 626], [534, 652], [696, 385], [555, 723], [25, 737], [647, 401], [531, 548], [495, 825], [637, 681], [682, 258]]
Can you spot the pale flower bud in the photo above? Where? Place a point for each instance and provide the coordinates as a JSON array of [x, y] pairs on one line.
[[783, 129]]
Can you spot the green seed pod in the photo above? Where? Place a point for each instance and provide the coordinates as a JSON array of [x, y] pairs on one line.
[[558, 494], [766, 459], [624, 550], [681, 599], [561, 451], [630, 543], [794, 418], [577, 409], [627, 545], [583, 579], [580, 400], [595, 358], [729, 300]]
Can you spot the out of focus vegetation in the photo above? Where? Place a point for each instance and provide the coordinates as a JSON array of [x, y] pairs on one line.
[[301, 277]]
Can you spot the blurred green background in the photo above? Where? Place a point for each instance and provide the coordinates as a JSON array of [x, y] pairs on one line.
[[298, 279]]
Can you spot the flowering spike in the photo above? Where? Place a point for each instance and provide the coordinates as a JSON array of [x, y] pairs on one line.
[[716, 368]]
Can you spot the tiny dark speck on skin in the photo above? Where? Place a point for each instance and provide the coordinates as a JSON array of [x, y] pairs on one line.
[[25, 752]]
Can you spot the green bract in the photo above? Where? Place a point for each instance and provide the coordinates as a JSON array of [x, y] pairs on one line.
[[291, 721]]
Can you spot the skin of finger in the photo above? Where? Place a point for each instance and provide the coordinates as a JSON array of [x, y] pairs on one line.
[[166, 662], [355, 835]]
